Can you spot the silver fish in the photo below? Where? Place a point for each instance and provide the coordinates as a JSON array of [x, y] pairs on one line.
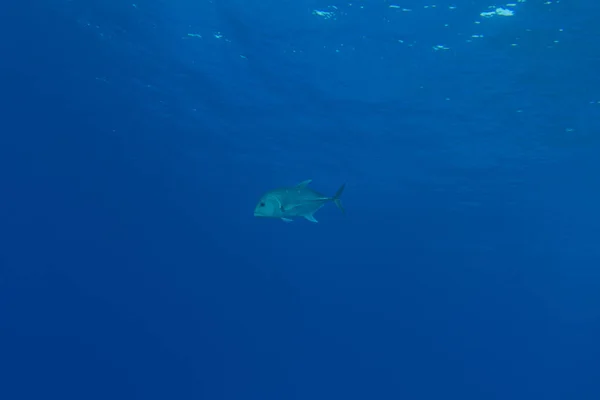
[[298, 201]]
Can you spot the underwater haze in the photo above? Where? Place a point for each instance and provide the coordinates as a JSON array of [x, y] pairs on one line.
[[137, 137]]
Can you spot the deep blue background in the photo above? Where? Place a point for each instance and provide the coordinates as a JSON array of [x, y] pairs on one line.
[[132, 156]]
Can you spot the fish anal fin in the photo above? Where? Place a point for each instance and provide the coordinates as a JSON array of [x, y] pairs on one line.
[[286, 219], [311, 218]]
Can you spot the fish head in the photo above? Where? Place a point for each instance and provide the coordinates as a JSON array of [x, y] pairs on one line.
[[269, 206]]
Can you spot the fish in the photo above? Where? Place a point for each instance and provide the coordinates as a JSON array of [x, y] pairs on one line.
[[297, 201]]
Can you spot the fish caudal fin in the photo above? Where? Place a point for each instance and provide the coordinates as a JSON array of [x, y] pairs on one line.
[[336, 198]]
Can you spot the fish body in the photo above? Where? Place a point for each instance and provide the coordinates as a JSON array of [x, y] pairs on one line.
[[293, 202]]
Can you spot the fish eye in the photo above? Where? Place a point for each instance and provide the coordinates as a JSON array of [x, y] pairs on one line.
[[262, 204]]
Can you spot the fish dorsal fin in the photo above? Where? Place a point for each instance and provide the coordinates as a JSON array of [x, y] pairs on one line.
[[304, 184]]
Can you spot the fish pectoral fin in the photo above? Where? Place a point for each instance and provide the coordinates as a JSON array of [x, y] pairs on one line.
[[304, 184], [311, 218], [286, 220], [289, 207]]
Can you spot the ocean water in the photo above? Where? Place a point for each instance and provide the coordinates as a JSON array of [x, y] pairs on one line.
[[137, 137]]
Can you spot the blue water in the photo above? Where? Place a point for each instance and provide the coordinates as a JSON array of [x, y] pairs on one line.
[[136, 140]]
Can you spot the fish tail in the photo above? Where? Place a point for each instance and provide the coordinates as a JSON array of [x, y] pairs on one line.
[[336, 198]]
